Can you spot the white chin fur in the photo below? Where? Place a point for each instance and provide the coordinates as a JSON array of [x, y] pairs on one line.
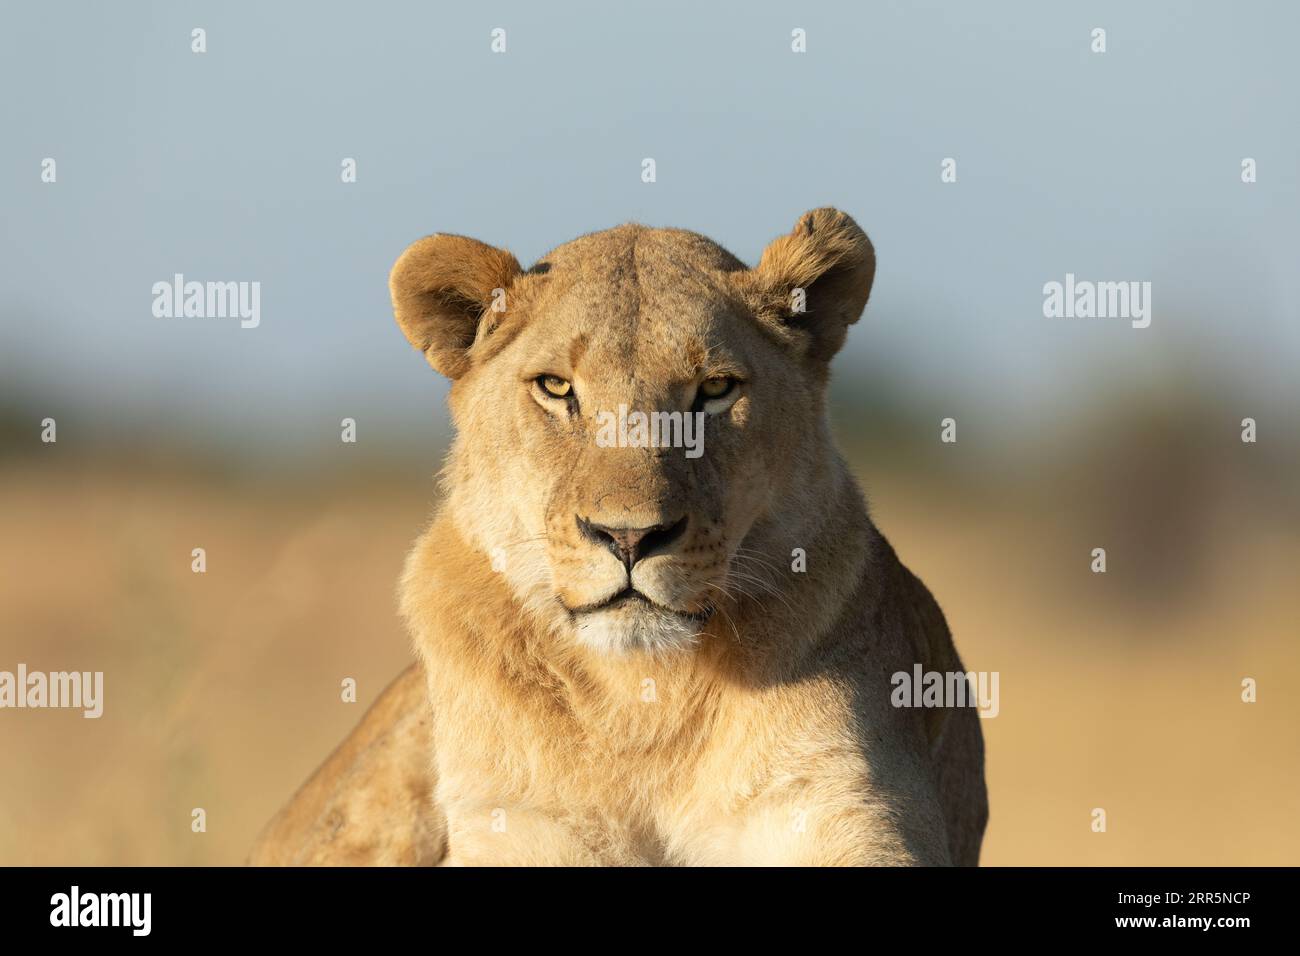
[[625, 630]]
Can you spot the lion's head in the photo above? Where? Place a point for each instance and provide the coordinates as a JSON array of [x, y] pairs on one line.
[[639, 415]]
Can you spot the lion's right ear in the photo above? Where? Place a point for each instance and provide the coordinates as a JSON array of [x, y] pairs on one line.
[[442, 286]]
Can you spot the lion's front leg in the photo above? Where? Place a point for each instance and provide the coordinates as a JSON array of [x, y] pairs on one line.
[[513, 836], [797, 830], [843, 805]]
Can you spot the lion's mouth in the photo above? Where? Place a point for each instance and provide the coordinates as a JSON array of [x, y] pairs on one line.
[[631, 596]]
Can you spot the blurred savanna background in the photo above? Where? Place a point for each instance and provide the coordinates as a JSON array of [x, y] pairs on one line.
[[1120, 691]]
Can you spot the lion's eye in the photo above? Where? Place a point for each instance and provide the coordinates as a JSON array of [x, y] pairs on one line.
[[717, 386], [554, 386]]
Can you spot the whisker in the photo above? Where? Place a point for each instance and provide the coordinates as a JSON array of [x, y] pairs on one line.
[[766, 586]]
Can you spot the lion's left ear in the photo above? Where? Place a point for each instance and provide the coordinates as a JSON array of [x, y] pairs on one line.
[[817, 278]]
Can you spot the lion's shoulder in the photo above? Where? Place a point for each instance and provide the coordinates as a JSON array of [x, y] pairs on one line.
[[370, 802]]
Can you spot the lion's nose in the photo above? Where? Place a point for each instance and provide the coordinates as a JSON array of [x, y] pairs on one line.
[[630, 545]]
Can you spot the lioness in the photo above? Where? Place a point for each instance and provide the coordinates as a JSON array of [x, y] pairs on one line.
[[631, 655]]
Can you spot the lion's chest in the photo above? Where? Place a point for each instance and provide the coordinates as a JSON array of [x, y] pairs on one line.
[[628, 784]]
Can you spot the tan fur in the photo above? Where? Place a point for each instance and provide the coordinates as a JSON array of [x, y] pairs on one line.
[[371, 802], [739, 711]]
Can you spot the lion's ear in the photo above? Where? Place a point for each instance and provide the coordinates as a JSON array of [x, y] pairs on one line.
[[441, 287], [818, 277]]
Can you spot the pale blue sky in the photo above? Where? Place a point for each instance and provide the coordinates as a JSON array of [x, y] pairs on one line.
[[225, 166]]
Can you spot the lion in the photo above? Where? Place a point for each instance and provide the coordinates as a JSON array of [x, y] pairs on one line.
[[629, 653]]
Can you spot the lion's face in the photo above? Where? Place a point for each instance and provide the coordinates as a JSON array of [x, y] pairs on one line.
[[628, 407], [629, 411]]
